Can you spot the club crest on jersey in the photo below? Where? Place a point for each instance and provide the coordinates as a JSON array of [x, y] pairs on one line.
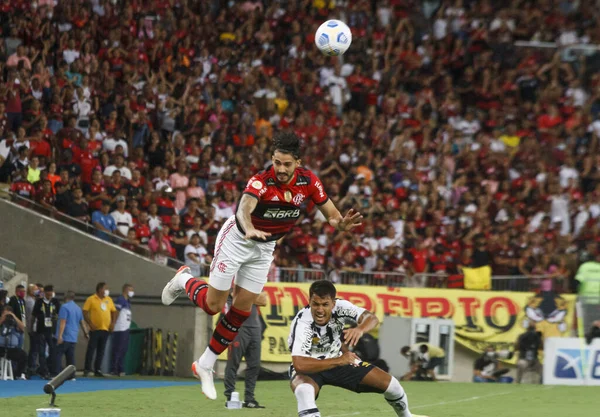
[[257, 184], [298, 199], [287, 196]]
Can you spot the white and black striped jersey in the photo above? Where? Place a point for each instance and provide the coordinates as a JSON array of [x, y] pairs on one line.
[[321, 342]]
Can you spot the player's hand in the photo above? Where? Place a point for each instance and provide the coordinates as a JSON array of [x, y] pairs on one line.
[[59, 341], [351, 220], [352, 336], [257, 234], [349, 358]]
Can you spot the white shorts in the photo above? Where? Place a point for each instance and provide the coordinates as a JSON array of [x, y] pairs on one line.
[[249, 261]]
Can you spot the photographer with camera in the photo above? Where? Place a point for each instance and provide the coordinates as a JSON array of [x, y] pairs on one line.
[[528, 345], [487, 368], [10, 329]]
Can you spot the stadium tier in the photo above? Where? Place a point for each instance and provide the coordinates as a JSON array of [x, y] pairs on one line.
[[465, 132]]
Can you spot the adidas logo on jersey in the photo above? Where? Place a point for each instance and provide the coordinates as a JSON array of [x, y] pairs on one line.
[[275, 198]]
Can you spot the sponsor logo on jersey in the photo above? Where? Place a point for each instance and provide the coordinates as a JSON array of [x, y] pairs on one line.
[[298, 199], [222, 267], [287, 196], [277, 213], [270, 181], [275, 198], [302, 180], [320, 188]]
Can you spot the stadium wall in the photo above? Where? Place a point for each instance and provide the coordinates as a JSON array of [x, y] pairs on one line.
[[51, 252]]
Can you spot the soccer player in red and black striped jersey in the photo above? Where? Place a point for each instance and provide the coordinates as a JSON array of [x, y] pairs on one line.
[[270, 206]]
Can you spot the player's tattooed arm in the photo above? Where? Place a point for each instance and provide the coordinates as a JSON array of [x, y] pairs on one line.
[[247, 205], [366, 322]]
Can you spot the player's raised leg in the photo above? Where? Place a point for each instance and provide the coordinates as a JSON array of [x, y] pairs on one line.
[[393, 392], [229, 253]]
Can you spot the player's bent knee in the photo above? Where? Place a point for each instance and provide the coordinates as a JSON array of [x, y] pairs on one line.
[[305, 390], [394, 388]]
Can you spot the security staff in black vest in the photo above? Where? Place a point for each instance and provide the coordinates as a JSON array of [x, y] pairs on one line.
[[17, 303], [246, 344], [45, 318]]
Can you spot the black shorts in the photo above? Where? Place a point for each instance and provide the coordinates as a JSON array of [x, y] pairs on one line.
[[348, 377], [433, 362]]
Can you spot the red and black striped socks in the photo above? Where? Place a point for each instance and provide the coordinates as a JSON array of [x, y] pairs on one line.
[[227, 329], [196, 290]]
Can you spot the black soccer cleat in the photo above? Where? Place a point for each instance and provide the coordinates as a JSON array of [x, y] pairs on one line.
[[252, 404]]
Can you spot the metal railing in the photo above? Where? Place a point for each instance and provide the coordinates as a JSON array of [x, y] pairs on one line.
[[89, 228], [519, 283], [8, 269]]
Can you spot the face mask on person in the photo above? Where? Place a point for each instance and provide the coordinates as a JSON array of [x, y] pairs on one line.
[[53, 295], [36, 293], [130, 294], [7, 300], [106, 293]]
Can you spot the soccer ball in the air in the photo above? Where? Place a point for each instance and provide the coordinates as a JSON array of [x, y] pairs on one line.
[[333, 37]]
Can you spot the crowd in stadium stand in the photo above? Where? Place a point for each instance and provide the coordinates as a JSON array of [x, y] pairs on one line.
[[460, 148]]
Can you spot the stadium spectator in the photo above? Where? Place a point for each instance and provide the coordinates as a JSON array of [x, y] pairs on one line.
[[120, 335], [160, 246], [436, 108], [70, 319], [103, 222], [122, 218], [100, 314]]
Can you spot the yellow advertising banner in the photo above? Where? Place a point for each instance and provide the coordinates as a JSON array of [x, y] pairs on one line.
[[481, 317]]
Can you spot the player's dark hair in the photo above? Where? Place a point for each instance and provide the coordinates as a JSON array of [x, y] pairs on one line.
[[423, 348], [20, 287], [100, 285], [405, 350], [322, 289], [125, 286], [287, 142], [48, 288]]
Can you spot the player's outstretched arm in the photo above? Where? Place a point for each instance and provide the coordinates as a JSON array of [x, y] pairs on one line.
[[247, 205], [366, 322], [335, 218], [306, 365]]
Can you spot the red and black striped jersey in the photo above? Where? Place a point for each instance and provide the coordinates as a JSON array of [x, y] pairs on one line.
[[280, 205]]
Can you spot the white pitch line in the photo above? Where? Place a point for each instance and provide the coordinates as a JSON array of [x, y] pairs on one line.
[[464, 400]]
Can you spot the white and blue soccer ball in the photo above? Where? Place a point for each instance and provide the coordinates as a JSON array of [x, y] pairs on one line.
[[333, 38]]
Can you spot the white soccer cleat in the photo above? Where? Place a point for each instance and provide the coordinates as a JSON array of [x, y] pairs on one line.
[[206, 378], [417, 415], [173, 289]]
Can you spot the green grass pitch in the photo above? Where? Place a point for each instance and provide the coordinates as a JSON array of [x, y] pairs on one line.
[[431, 399]]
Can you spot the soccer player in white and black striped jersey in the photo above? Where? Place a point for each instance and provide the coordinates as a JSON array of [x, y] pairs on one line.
[[320, 355]]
